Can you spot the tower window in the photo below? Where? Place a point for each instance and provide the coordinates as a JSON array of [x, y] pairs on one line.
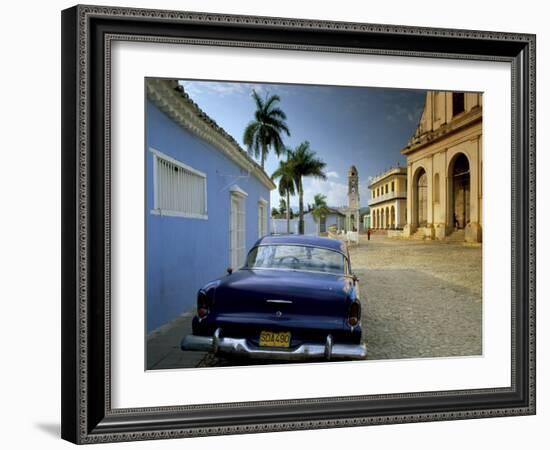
[[458, 103]]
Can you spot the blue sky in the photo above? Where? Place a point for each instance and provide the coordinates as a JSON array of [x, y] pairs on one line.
[[361, 126]]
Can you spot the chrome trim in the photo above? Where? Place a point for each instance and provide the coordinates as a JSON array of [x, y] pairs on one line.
[[328, 347], [286, 302], [216, 340], [305, 352]]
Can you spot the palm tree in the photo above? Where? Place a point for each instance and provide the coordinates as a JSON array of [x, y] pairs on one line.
[[305, 164], [282, 205], [264, 132], [319, 207], [285, 173]]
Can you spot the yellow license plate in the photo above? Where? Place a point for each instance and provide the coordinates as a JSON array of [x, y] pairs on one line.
[[271, 339]]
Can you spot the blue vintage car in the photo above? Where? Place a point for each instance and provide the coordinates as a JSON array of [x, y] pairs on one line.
[[295, 299]]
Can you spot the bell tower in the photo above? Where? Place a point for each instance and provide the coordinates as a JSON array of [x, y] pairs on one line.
[[353, 188]]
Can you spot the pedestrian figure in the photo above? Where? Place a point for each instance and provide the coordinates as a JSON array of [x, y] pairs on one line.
[[455, 220], [368, 234]]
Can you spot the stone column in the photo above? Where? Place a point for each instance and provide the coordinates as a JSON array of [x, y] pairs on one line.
[[429, 110], [409, 228], [398, 223], [473, 229], [430, 216], [444, 194], [449, 106]]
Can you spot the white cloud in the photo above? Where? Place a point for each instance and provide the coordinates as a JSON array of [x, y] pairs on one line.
[[223, 89], [333, 174], [336, 193], [191, 88], [399, 113]]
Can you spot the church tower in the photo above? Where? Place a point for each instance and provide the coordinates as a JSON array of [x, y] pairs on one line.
[[353, 188]]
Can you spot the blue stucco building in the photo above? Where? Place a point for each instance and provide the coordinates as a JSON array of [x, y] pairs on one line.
[[207, 201]]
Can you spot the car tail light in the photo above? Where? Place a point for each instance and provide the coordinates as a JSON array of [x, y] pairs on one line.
[[202, 305], [354, 314]]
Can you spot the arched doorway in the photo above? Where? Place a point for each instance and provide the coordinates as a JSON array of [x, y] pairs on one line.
[[392, 217], [460, 191], [421, 189]]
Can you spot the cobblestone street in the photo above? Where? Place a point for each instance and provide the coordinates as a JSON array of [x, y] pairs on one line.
[[420, 299]]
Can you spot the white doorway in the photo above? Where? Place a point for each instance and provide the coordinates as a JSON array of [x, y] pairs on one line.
[[237, 231]]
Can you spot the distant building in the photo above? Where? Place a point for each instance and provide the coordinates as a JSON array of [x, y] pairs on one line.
[[334, 219], [444, 168], [312, 225], [351, 212], [366, 221], [388, 202], [207, 201], [338, 219]]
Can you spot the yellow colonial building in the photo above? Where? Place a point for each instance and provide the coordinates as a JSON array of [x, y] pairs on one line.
[[388, 201], [444, 169]]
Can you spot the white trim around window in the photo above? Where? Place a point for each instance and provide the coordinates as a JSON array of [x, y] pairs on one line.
[[262, 218], [237, 228], [237, 191], [178, 193]]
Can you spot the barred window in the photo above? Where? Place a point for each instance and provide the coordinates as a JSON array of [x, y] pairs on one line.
[[179, 189]]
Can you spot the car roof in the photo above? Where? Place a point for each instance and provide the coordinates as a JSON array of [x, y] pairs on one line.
[[300, 239]]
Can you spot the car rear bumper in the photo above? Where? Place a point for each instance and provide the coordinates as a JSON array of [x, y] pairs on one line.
[[305, 352]]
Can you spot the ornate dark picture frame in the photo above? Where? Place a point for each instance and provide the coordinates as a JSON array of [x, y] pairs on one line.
[[87, 35]]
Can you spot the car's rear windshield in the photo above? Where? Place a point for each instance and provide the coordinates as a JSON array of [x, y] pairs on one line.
[[296, 257]]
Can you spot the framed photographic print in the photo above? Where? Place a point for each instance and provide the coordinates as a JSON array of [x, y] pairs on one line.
[[283, 224]]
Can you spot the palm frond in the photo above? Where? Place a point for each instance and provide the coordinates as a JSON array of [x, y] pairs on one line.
[[258, 100], [277, 112], [249, 132], [264, 132], [276, 125], [269, 102]]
